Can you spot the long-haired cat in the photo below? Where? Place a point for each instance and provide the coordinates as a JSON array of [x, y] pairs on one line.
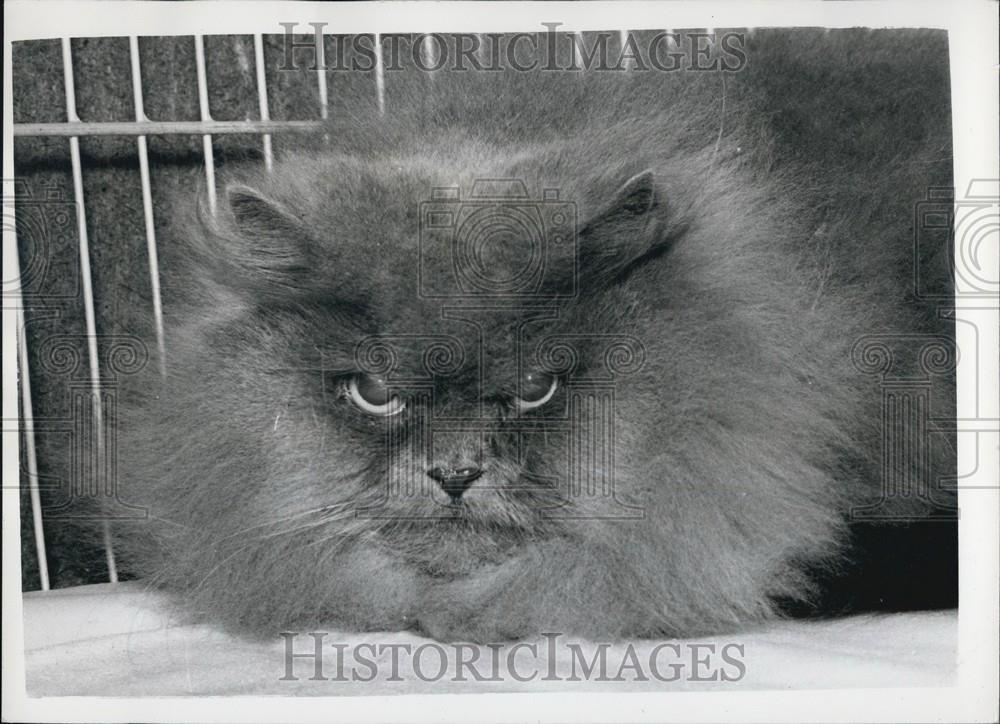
[[528, 352]]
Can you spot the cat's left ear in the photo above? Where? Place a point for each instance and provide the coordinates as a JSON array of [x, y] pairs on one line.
[[275, 245], [626, 233], [256, 243]]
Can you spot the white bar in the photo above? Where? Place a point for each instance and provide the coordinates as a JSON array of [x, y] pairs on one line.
[[623, 38], [109, 553], [88, 288], [28, 415], [159, 128], [379, 74], [133, 49], [147, 203], [199, 60], [324, 109], [577, 50], [258, 52], [427, 51]]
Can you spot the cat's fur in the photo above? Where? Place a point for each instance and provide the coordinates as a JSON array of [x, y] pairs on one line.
[[744, 438]]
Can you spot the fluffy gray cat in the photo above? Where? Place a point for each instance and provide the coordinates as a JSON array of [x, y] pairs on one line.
[[533, 352]]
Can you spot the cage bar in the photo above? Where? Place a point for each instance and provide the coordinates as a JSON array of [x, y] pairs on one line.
[[321, 76], [147, 202], [623, 39], [88, 287], [258, 53], [379, 74], [160, 128], [28, 416], [426, 51], [109, 552], [206, 139]]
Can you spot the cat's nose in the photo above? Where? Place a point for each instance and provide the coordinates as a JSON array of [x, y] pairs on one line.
[[455, 481]]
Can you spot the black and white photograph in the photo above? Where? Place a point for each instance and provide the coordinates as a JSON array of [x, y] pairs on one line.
[[640, 357]]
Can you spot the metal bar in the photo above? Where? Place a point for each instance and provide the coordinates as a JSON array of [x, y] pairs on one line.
[[109, 553], [161, 128], [321, 76], [199, 59], [88, 287], [427, 52], [147, 203], [28, 415], [379, 74], [258, 52]]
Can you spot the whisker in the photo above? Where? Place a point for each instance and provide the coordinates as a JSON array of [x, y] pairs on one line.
[[257, 540], [286, 519]]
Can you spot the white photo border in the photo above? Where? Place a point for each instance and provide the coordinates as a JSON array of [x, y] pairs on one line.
[[973, 52]]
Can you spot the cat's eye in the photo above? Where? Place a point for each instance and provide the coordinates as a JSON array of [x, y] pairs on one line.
[[372, 395], [536, 389]]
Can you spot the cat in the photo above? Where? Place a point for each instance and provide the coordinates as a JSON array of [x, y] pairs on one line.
[[527, 352]]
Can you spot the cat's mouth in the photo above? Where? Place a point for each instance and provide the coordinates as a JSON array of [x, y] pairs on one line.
[[498, 497], [483, 515], [503, 508], [488, 513], [520, 505]]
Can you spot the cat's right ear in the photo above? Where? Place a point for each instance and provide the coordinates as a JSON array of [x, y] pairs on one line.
[[261, 240], [627, 232]]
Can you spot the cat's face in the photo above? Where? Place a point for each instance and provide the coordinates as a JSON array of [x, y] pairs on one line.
[[462, 413]]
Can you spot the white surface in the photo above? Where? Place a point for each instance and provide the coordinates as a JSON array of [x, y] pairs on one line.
[[119, 640]]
